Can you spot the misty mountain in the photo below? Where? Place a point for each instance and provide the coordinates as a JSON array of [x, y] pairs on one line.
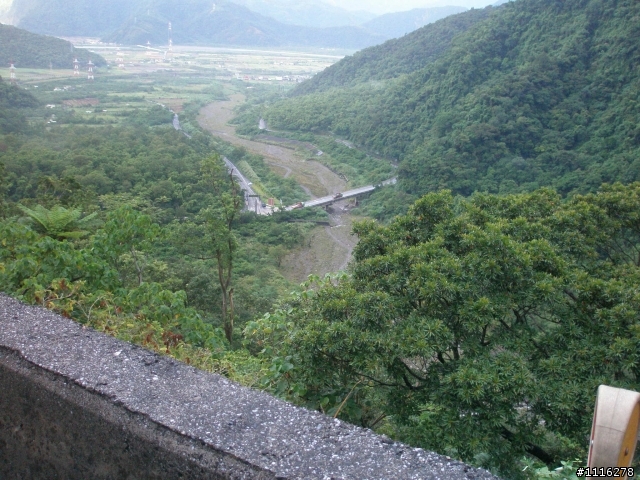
[[201, 22], [307, 13], [393, 25], [193, 21], [539, 93], [395, 57], [222, 23], [71, 18], [30, 50]]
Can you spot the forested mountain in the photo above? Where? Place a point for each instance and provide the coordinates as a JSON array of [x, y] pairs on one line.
[[77, 18], [539, 93], [309, 13], [230, 24], [13, 100], [31, 50], [394, 57], [392, 25], [193, 21]]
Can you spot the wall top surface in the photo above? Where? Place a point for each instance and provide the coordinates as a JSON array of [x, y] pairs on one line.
[[249, 425]]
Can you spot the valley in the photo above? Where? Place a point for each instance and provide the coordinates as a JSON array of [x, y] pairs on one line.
[[210, 83], [471, 308], [327, 249]]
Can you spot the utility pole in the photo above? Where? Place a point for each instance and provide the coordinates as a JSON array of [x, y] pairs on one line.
[[90, 70], [12, 72]]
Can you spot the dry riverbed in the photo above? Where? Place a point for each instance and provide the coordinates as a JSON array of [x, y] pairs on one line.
[[327, 249]]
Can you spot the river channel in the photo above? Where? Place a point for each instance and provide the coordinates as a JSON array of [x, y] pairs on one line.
[[327, 249]]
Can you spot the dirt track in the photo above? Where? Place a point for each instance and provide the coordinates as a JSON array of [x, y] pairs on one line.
[[328, 249]]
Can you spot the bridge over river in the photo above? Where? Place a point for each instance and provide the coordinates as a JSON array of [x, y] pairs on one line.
[[254, 203], [330, 199]]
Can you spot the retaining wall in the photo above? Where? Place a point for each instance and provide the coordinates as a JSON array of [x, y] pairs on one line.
[[78, 404]]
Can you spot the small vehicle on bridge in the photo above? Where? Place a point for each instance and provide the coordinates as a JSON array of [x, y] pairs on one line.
[[337, 195], [298, 205]]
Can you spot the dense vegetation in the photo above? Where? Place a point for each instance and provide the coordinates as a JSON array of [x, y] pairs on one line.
[[477, 327], [30, 50], [478, 324], [118, 226], [394, 57], [540, 93], [397, 24], [13, 102]]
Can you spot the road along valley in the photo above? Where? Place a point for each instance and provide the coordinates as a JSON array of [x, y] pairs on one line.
[[327, 249]]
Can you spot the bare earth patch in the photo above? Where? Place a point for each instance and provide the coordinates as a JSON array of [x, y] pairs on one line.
[[81, 102], [175, 104]]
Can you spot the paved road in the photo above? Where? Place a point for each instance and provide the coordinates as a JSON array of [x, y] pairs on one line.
[[176, 125], [252, 203]]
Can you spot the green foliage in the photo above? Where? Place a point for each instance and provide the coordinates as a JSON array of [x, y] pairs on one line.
[[58, 222], [395, 57], [219, 223], [125, 237], [159, 166], [153, 116], [3, 190], [539, 93], [480, 328], [566, 471], [30, 50], [13, 101], [397, 24], [285, 189]]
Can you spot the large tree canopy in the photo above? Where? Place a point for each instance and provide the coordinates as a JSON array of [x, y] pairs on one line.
[[479, 327]]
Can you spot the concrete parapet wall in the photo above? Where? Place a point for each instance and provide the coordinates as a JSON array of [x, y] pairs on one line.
[[78, 404]]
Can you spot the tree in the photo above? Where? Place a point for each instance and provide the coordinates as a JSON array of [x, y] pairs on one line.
[[58, 222], [3, 189], [126, 233], [481, 327], [219, 221]]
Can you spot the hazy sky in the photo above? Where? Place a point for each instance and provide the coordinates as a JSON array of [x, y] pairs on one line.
[[374, 6], [385, 6]]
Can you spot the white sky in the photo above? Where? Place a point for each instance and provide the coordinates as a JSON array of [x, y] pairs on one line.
[[374, 6], [386, 6]]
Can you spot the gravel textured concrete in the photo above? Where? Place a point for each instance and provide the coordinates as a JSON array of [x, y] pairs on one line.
[[71, 383]]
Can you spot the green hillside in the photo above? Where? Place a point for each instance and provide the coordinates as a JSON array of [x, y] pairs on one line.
[[396, 24], [13, 100], [76, 18], [30, 50], [395, 57], [540, 93]]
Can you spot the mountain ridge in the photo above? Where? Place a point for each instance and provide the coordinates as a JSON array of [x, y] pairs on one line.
[[394, 57], [203, 22], [31, 50], [393, 25], [537, 94]]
